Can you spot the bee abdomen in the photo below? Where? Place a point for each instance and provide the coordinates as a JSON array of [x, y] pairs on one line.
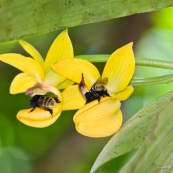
[[48, 102]]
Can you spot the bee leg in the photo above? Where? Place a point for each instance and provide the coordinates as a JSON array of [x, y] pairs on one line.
[[57, 100], [106, 93], [47, 109], [50, 110], [32, 109], [98, 99]]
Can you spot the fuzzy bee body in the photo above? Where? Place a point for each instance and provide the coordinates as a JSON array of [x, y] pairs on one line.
[[95, 95], [44, 102], [97, 91]]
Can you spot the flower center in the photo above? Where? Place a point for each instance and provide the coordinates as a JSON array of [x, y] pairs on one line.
[[40, 89]]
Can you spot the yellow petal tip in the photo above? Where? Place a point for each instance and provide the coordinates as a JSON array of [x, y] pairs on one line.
[[129, 45], [65, 30], [22, 42]]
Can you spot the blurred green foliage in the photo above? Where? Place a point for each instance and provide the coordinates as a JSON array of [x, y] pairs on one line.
[[59, 148]]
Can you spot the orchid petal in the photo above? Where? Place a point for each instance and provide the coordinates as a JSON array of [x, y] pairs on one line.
[[66, 83], [32, 51], [60, 49], [125, 94], [99, 119], [120, 69], [72, 98], [73, 69], [27, 65], [21, 83], [39, 117], [54, 78]]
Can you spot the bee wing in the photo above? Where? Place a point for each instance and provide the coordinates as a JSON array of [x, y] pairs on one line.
[[103, 81]]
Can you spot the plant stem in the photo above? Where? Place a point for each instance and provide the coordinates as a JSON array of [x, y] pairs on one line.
[[154, 63], [139, 61], [152, 80]]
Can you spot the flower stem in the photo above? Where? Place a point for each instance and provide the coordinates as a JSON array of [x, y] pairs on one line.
[[154, 63], [94, 58], [139, 61], [152, 80]]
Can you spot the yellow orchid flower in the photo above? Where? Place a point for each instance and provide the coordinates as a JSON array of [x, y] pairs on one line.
[[101, 115], [37, 77]]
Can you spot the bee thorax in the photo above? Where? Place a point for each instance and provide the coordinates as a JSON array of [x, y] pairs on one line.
[[98, 87]]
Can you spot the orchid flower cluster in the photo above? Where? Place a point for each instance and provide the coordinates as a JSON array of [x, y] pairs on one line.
[[76, 83]]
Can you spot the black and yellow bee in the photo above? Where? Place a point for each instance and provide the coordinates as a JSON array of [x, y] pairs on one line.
[[44, 102], [97, 91]]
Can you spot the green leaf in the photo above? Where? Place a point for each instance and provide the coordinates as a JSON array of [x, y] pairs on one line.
[[156, 153], [134, 132], [26, 18]]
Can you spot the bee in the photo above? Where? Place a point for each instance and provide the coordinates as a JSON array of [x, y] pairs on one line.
[[97, 91], [44, 102]]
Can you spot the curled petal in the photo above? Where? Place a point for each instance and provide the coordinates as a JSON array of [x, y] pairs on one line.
[[32, 51], [125, 94], [74, 68], [39, 117], [120, 69], [21, 83], [41, 89], [72, 98], [37, 89], [27, 65], [83, 88], [99, 119], [60, 49]]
